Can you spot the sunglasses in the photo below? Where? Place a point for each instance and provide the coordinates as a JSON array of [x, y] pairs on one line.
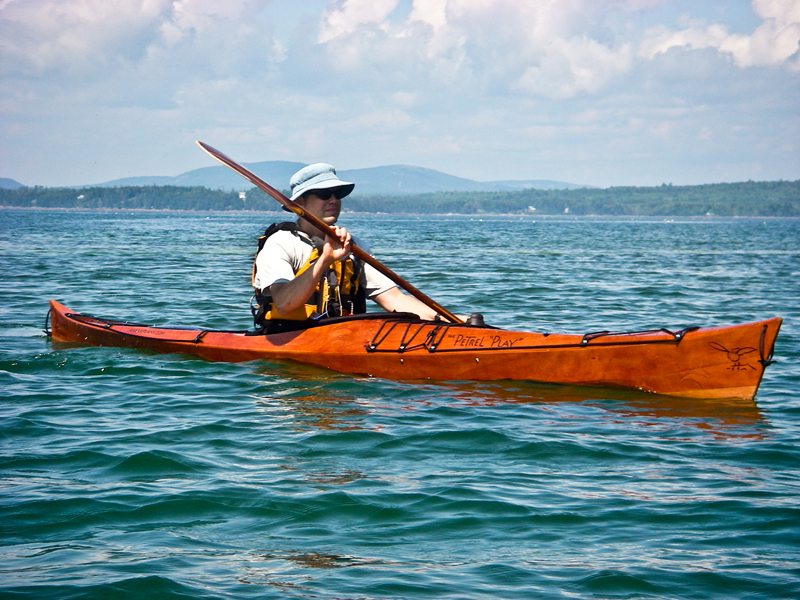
[[326, 194]]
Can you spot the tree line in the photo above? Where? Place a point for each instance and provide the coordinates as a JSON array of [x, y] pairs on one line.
[[149, 197], [744, 199]]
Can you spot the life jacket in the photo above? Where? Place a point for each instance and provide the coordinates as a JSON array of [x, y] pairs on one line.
[[339, 291]]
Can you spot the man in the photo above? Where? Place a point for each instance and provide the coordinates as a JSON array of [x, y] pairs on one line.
[[300, 273]]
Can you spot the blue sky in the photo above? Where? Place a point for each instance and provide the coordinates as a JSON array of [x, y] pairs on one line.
[[600, 92]]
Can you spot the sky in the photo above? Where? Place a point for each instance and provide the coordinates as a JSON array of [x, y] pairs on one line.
[[594, 92]]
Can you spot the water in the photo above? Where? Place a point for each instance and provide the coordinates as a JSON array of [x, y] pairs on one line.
[[127, 474]]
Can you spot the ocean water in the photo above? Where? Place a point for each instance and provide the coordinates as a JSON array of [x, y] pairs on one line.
[[127, 474]]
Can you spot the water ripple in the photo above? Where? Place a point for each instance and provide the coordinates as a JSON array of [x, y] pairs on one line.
[[127, 474]]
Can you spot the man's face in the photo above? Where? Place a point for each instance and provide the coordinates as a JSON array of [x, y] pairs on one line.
[[323, 204]]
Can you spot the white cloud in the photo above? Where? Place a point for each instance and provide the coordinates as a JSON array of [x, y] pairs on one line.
[[382, 122], [775, 42], [489, 89], [575, 66], [78, 39], [554, 48], [41, 36], [352, 14], [432, 12]]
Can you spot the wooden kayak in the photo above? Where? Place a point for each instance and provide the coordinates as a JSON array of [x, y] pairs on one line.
[[713, 362]]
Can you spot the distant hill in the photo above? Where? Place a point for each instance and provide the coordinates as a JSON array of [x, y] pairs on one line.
[[276, 172], [9, 184], [404, 180], [536, 184], [134, 181], [392, 180]]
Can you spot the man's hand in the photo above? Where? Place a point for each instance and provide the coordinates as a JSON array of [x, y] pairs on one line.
[[336, 248]]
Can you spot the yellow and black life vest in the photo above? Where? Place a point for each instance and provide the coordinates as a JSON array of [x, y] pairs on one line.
[[339, 291]]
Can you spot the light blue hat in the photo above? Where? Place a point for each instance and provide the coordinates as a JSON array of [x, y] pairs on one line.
[[319, 176]]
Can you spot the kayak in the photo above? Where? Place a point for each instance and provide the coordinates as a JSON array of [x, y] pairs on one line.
[[713, 362]]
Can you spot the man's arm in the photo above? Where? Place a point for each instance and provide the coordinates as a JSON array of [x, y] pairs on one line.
[[289, 295], [394, 300]]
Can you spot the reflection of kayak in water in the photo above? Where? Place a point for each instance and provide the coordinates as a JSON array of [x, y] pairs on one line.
[[722, 417], [718, 362]]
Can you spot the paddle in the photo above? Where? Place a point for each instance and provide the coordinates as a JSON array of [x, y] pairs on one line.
[[322, 226]]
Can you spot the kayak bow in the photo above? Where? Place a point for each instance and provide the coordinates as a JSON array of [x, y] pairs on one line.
[[715, 362]]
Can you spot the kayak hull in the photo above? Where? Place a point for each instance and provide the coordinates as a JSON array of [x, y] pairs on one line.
[[717, 362]]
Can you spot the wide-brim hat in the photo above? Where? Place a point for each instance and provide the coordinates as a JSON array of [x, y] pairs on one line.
[[319, 176]]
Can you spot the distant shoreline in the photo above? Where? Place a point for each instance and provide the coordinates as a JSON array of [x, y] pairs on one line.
[[345, 214], [744, 199]]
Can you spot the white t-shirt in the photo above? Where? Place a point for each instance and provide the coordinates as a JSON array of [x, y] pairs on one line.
[[284, 253]]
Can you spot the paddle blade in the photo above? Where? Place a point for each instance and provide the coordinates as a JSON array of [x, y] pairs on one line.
[[252, 178]]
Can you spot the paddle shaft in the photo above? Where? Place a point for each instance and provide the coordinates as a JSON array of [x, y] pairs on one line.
[[327, 230]]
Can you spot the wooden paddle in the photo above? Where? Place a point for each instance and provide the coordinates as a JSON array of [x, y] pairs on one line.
[[322, 226]]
